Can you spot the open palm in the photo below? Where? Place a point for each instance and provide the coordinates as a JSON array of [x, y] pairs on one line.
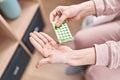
[[49, 49]]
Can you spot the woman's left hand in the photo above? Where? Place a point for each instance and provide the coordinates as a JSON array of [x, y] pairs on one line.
[[49, 49], [56, 53]]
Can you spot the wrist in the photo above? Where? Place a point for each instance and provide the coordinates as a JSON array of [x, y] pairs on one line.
[[82, 57], [87, 8], [90, 56]]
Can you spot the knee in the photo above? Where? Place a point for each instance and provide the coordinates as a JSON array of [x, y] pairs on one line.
[[94, 73], [101, 73], [91, 73], [80, 40]]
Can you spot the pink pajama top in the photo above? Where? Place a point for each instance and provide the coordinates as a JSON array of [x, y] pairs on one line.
[[108, 54]]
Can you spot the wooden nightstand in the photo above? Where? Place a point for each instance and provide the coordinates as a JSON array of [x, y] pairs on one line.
[[15, 48]]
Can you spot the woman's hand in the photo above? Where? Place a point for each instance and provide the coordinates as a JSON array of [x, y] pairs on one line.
[[61, 13], [73, 12], [49, 49], [56, 53]]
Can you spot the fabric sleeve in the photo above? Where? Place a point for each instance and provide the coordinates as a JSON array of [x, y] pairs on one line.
[[108, 54], [107, 7]]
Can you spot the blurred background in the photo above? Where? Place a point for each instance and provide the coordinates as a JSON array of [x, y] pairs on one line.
[[18, 57]]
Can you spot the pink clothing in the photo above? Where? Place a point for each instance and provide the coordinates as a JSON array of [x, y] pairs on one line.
[[107, 54], [102, 73], [98, 35], [106, 39], [107, 7]]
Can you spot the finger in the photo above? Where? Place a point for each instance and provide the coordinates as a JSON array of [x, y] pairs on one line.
[[41, 37], [48, 38], [36, 45], [56, 19], [61, 20], [56, 12], [52, 16], [42, 62], [37, 39]]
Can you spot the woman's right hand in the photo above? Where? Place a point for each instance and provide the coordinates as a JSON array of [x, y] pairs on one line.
[[73, 12], [61, 13]]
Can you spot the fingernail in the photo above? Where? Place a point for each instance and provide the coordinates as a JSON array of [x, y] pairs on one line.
[[50, 21], [37, 66], [34, 31], [30, 33], [57, 24]]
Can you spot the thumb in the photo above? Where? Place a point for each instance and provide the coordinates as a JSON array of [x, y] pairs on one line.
[[42, 61], [60, 20]]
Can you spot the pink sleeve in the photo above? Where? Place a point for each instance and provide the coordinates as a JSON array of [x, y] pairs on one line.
[[107, 7], [108, 54]]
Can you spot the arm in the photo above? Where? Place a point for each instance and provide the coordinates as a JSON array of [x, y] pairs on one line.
[[82, 57], [107, 7], [56, 53], [108, 54], [72, 12]]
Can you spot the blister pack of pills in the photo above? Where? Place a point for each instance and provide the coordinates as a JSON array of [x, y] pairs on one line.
[[63, 33]]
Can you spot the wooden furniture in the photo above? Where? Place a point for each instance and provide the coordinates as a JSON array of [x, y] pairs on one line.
[[11, 39], [12, 33]]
